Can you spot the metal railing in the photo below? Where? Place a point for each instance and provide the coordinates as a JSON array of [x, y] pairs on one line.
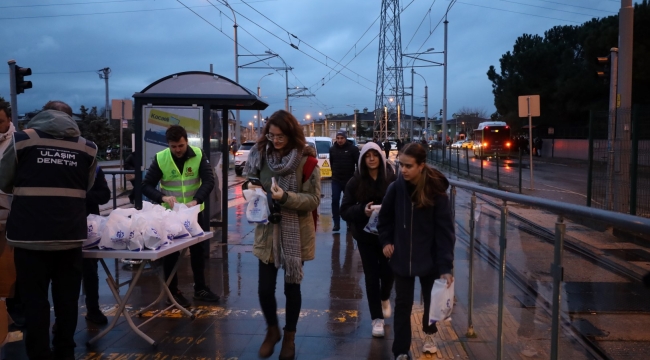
[[633, 223], [114, 182]]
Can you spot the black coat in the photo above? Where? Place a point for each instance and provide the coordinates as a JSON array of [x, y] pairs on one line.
[[99, 194], [353, 210], [424, 238], [343, 160]]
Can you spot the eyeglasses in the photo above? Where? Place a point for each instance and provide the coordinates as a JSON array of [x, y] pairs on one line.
[[279, 138]]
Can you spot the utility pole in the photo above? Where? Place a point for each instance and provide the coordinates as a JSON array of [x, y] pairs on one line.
[[444, 95], [624, 102], [103, 74], [426, 109], [412, 96], [611, 128]]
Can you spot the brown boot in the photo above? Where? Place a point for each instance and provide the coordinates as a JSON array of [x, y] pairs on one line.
[[288, 351], [273, 336]]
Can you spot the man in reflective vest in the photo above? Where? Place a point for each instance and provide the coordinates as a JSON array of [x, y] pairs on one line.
[[49, 168], [185, 177]]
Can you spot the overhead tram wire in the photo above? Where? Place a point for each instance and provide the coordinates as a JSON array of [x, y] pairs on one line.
[[228, 36], [288, 43], [355, 56], [428, 13], [451, 4], [303, 42]]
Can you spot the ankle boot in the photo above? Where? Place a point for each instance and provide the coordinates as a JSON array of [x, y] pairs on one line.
[[288, 351], [273, 336]]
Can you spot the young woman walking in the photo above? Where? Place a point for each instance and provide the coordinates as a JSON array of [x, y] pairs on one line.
[[278, 160], [365, 189], [416, 231]]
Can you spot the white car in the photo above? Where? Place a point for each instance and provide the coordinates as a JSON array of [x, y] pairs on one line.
[[457, 144], [241, 156], [322, 145]]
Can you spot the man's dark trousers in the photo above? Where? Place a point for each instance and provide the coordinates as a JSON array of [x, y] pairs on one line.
[[337, 188], [35, 270], [197, 261]]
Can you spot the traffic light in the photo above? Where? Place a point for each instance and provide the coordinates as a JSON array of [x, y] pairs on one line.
[[440, 112], [603, 68], [21, 84]]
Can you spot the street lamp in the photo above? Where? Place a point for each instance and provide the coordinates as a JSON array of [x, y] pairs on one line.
[[259, 95], [415, 56], [286, 79], [250, 123]]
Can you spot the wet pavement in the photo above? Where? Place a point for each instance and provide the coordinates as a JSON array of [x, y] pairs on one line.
[[335, 321]]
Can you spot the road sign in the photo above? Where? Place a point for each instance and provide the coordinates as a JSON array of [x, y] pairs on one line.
[[125, 124], [116, 109], [524, 104]]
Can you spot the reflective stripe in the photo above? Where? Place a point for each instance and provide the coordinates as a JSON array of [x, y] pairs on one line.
[[170, 183], [56, 143], [171, 193], [49, 191], [190, 193]]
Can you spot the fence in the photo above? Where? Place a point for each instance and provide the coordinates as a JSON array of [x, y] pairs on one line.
[[482, 235], [504, 172], [619, 164]]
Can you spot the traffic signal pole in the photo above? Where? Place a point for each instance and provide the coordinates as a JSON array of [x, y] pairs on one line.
[[12, 92]]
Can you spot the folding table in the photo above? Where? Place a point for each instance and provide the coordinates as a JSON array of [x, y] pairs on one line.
[[146, 256]]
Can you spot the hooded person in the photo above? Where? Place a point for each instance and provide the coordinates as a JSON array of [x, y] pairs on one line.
[[49, 168], [6, 127], [416, 230], [367, 189]]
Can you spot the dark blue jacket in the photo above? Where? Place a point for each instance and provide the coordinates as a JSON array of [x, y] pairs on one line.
[[424, 238], [343, 160]]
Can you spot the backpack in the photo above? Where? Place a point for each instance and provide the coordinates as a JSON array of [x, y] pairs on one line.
[[307, 169]]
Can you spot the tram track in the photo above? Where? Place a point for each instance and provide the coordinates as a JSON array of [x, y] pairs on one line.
[[521, 281]]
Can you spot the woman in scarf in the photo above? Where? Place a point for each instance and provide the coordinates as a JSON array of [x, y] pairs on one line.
[[416, 230], [278, 160], [365, 189]]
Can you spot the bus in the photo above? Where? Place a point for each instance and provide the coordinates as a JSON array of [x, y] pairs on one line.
[[490, 138]]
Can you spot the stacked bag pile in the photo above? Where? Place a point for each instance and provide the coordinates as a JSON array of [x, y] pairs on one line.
[[137, 230]]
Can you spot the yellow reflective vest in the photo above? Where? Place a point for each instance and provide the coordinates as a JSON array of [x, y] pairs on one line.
[[183, 185]]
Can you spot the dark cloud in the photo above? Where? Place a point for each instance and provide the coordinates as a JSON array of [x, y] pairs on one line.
[[144, 40]]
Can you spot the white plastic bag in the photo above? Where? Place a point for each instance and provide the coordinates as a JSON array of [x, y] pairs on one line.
[[149, 231], [96, 225], [371, 226], [174, 227], [116, 234], [257, 211], [442, 301], [190, 218]]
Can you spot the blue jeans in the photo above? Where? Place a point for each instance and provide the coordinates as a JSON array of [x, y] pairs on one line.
[[337, 188]]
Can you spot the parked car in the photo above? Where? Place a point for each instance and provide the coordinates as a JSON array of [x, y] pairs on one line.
[[435, 144], [241, 156], [457, 144]]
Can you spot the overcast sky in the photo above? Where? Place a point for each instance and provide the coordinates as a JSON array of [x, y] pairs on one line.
[[65, 42]]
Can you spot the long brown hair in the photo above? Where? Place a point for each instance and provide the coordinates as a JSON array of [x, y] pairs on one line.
[[431, 183], [289, 126]]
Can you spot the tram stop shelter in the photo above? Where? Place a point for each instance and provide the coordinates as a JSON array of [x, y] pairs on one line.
[[200, 102]]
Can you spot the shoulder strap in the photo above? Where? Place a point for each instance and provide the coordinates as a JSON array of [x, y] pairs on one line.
[[307, 170]]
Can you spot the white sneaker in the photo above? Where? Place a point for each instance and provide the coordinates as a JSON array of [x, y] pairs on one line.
[[429, 345], [378, 328], [386, 309], [402, 357]]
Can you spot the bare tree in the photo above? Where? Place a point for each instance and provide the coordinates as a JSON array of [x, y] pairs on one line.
[[467, 111]]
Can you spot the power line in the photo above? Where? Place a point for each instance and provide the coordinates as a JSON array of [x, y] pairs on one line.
[[547, 8], [428, 13], [451, 4], [308, 55], [575, 6], [96, 13], [517, 12], [291, 44]]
